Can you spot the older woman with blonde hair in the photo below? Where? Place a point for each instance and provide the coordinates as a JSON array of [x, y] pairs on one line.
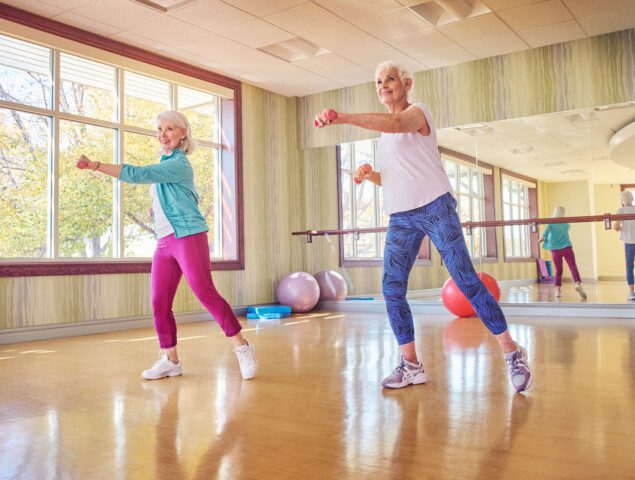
[[418, 197], [627, 235], [182, 244], [556, 238]]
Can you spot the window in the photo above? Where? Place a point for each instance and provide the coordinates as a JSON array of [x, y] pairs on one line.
[[519, 203], [467, 182], [53, 212], [362, 207]]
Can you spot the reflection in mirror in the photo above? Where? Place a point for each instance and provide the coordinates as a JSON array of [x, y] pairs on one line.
[[538, 163]]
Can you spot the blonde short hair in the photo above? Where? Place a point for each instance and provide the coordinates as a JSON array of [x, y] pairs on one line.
[[403, 72], [627, 198], [187, 145], [558, 212]]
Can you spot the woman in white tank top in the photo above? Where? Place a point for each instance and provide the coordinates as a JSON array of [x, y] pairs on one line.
[[418, 198]]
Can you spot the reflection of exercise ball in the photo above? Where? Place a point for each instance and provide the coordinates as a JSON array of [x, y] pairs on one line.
[[332, 285], [298, 290], [455, 301], [464, 333]]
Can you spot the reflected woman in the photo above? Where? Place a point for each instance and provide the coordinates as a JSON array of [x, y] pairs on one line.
[[627, 235], [556, 238]]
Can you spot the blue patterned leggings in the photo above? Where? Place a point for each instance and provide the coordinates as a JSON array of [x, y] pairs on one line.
[[406, 231]]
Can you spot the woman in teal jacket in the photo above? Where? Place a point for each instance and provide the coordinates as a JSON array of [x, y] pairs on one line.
[[182, 244], [556, 238]]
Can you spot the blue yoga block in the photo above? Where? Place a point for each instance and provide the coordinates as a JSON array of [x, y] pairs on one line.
[[268, 312]]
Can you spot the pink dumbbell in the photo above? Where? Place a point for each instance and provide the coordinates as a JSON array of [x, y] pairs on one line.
[[330, 114], [367, 168], [81, 163]]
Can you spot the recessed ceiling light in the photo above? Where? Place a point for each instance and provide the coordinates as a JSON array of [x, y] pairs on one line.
[[294, 49], [443, 12]]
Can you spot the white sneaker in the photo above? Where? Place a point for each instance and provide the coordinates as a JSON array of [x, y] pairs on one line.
[[631, 296], [580, 290], [558, 293], [247, 360], [163, 368]]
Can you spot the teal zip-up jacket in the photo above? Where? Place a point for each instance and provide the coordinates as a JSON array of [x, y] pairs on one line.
[[174, 179], [556, 236]]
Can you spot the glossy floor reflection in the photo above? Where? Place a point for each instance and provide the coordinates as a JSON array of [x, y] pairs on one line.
[[77, 408], [600, 292]]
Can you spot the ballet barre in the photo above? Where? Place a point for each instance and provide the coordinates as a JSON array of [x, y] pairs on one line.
[[533, 223]]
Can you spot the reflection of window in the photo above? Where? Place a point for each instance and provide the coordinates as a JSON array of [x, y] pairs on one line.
[[362, 206], [52, 210], [473, 185], [516, 199]]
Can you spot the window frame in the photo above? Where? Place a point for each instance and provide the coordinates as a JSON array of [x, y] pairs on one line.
[[532, 197], [231, 123]]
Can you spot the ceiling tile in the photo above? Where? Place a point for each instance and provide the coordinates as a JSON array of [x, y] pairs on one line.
[[491, 47], [355, 76], [445, 57], [212, 15], [118, 13], [215, 47], [262, 8], [139, 41], [536, 15], [305, 19], [34, 6], [584, 8], [88, 24], [340, 38], [358, 9], [325, 64], [165, 27], [500, 5], [63, 4], [393, 24], [184, 56], [309, 87], [608, 22], [255, 34], [421, 42], [474, 29], [372, 55], [550, 34]]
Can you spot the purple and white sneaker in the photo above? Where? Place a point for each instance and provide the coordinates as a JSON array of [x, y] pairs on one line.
[[405, 374], [519, 371]]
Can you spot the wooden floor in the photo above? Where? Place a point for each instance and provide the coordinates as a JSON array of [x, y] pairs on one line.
[[77, 408]]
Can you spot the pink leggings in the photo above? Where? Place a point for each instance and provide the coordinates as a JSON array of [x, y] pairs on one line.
[[567, 254], [187, 256]]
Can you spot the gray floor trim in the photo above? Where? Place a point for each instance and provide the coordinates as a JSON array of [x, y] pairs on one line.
[[46, 332]]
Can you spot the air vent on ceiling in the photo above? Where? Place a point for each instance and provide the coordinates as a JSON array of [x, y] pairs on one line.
[[475, 129], [294, 49], [442, 12], [165, 6], [572, 172]]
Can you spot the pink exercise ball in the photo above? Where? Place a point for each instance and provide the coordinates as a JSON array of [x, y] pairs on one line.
[[298, 290], [455, 301], [332, 285]]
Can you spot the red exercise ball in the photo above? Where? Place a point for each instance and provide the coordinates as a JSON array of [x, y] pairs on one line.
[[455, 301]]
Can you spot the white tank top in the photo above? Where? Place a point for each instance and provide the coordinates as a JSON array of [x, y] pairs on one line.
[[161, 223], [627, 234], [412, 173]]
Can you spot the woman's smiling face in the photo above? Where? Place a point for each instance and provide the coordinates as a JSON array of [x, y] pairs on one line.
[[169, 135], [390, 88]]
